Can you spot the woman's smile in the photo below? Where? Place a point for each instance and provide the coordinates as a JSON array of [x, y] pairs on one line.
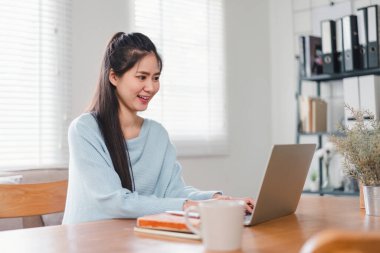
[[143, 99]]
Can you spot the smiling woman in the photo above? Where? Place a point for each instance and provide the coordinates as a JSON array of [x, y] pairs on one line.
[[122, 165]]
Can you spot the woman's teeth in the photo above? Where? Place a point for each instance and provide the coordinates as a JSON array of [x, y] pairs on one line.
[[143, 97]]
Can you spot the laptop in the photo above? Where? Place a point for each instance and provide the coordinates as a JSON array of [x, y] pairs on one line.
[[283, 182]]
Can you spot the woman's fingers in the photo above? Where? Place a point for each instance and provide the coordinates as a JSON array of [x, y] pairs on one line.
[[249, 202], [249, 205]]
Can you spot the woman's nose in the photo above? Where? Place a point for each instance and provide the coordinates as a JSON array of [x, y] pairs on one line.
[[149, 85]]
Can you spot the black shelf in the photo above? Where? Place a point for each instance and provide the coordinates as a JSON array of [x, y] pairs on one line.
[[339, 76], [335, 193], [321, 133], [318, 79]]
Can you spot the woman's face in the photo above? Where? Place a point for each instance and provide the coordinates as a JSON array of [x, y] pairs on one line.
[[136, 87]]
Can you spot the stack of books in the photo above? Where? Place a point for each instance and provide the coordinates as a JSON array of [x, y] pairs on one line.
[[313, 114], [166, 224]]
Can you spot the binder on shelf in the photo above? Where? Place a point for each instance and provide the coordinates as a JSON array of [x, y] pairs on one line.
[[301, 58], [369, 95], [339, 45], [350, 43], [351, 98], [373, 36], [313, 55], [361, 93], [363, 37], [329, 47]]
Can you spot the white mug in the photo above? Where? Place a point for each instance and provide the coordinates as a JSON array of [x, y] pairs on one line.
[[221, 224]]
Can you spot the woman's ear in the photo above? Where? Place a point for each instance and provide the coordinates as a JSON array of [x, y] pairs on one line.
[[113, 78]]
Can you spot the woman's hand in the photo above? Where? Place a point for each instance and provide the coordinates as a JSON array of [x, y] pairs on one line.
[[249, 202], [189, 203]]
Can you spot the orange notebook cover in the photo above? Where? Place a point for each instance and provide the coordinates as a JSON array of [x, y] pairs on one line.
[[165, 221]]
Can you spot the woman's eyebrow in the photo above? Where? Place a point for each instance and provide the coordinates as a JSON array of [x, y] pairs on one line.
[[147, 73]]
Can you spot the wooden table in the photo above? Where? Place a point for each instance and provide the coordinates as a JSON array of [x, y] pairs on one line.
[[286, 234]]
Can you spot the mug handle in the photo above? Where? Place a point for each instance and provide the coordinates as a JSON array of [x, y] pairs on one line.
[[187, 221]]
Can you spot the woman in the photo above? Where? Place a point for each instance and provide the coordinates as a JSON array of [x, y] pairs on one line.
[[121, 165]]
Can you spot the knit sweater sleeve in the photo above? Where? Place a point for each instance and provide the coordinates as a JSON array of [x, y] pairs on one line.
[[94, 182]]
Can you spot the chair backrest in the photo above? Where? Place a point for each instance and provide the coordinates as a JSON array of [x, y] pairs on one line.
[[338, 241], [20, 200]]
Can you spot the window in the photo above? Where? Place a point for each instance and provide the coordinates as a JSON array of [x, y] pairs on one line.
[[191, 103], [34, 83]]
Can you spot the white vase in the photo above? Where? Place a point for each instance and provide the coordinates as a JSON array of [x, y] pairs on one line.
[[327, 186], [314, 186], [372, 200]]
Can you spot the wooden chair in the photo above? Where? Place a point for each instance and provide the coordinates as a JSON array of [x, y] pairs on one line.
[[339, 241], [20, 200]]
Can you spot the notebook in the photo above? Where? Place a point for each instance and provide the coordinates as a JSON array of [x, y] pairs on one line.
[[167, 224], [283, 182]]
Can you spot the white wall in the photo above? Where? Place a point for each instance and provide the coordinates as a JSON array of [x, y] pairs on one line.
[[249, 107], [94, 22], [283, 81], [248, 87]]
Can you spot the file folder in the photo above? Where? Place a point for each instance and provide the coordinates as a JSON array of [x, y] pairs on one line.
[[313, 56], [351, 98], [350, 43], [363, 37], [329, 47], [373, 36], [301, 58], [339, 45], [369, 95]]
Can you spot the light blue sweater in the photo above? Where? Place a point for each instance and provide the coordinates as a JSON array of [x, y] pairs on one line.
[[95, 191]]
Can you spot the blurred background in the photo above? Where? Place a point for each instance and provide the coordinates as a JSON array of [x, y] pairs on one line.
[[227, 90]]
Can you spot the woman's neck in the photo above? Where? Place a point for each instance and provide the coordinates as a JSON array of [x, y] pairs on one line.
[[130, 124]]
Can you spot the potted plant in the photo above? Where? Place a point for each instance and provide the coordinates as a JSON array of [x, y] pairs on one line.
[[360, 147], [314, 184]]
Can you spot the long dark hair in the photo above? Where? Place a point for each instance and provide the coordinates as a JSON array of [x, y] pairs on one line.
[[122, 53]]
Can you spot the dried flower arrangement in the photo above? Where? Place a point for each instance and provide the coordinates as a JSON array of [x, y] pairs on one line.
[[360, 147]]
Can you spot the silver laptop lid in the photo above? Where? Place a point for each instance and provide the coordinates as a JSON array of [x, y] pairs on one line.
[[283, 182]]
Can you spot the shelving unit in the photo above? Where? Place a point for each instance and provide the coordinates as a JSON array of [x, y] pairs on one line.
[[318, 79], [340, 193]]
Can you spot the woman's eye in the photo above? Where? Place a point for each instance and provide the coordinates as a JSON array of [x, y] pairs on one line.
[[156, 78], [142, 78]]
